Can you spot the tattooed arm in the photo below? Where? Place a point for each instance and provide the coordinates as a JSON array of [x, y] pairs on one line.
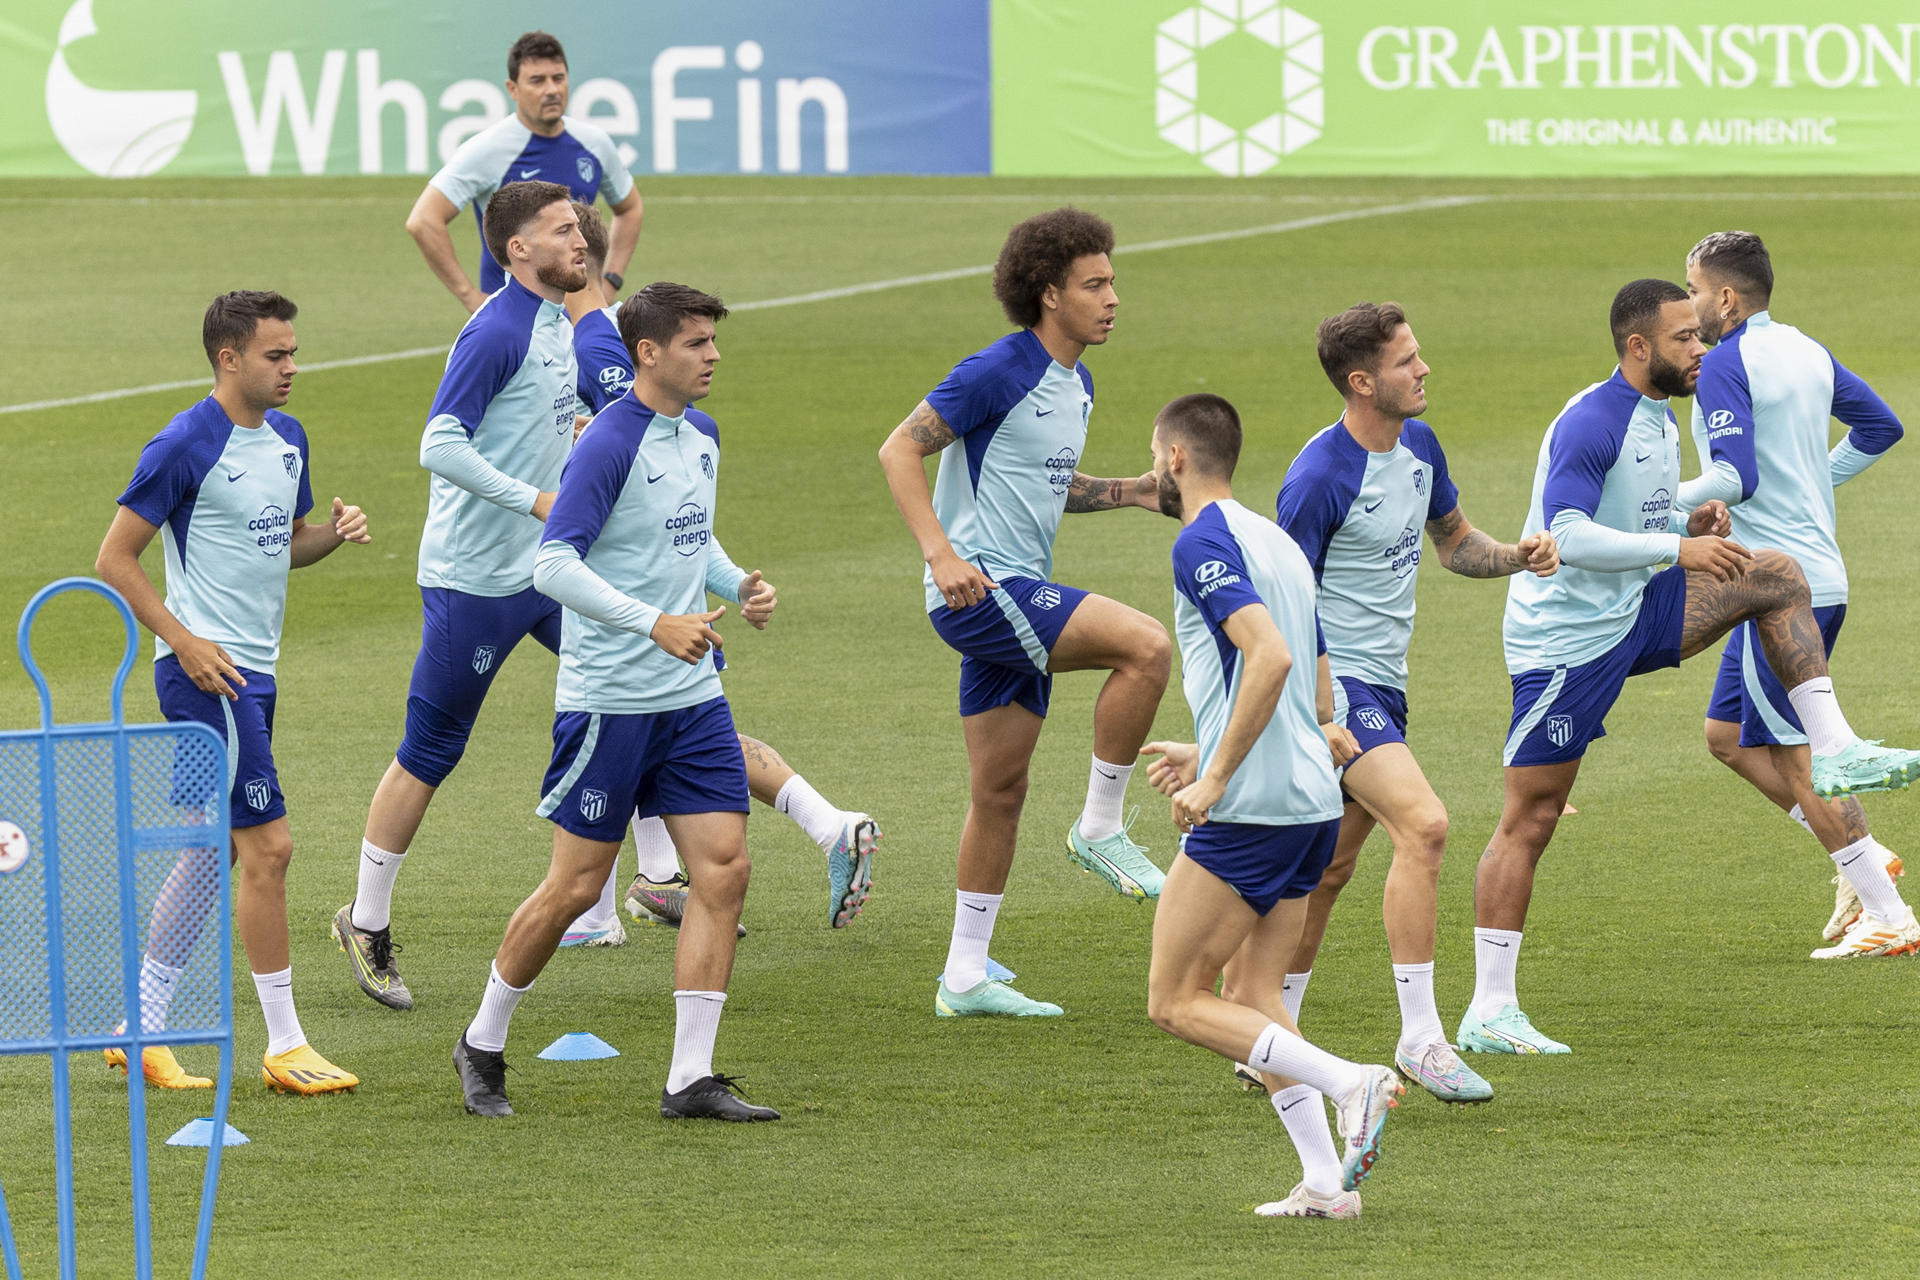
[[903, 459], [1087, 493], [1473, 554]]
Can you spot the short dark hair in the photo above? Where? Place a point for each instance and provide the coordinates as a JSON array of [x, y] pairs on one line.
[[513, 207], [655, 313], [1039, 252], [1739, 258], [1208, 426], [537, 45], [1637, 306], [1355, 338], [232, 318], [594, 231]]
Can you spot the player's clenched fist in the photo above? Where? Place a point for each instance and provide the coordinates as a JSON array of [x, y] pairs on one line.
[[1710, 518], [687, 636], [1540, 553], [1190, 803], [757, 598], [350, 523], [1177, 765], [959, 583]]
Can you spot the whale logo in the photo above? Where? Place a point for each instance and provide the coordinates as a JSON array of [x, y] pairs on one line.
[[116, 133]]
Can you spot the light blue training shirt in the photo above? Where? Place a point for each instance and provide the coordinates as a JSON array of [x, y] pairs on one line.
[[1227, 559], [496, 438], [225, 498], [1760, 418], [1001, 487], [1358, 517]]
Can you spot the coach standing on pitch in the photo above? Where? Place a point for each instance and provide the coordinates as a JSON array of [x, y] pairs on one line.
[[539, 142]]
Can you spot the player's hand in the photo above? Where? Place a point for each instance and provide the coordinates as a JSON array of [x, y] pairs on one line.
[[959, 583], [1341, 742], [1716, 556], [350, 523], [1539, 553], [580, 421], [687, 636], [757, 599], [209, 667], [1176, 765], [1146, 492], [542, 505], [1190, 803], [1710, 519]]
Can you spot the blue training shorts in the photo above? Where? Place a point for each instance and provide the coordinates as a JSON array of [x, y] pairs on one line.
[[606, 768], [245, 724], [463, 641], [1557, 711], [1004, 642], [1264, 864], [1747, 693], [1375, 714]]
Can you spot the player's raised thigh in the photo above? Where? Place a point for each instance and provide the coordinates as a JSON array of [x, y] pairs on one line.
[[1714, 606], [1106, 635], [1000, 745], [1198, 925], [1390, 785]]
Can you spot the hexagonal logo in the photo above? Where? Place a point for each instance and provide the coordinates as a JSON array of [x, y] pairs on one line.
[[1179, 101]]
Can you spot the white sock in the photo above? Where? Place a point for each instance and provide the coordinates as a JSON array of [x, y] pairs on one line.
[[1419, 1019], [1887, 856], [696, 1021], [1293, 990], [1820, 715], [373, 899], [1279, 1052], [820, 820], [1799, 815], [1861, 863], [659, 860], [973, 917], [157, 982], [1496, 954], [276, 1002], [488, 1030], [1106, 795], [602, 913], [1304, 1112]]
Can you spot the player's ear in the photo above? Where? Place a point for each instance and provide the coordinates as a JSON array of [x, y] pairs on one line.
[[1360, 382]]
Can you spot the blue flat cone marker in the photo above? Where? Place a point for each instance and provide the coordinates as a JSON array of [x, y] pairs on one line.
[[576, 1046], [199, 1133]]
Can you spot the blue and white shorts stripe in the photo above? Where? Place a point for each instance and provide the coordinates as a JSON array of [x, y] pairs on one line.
[[1557, 711], [606, 768], [1747, 693], [1004, 642]]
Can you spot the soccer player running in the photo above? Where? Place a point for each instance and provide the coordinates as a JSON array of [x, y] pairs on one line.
[[539, 142], [227, 485], [658, 894], [1631, 596], [498, 432], [1019, 412], [1760, 423], [1259, 805], [1354, 501], [641, 724]]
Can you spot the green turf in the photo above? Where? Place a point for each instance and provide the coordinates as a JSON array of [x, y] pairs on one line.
[[1729, 1107]]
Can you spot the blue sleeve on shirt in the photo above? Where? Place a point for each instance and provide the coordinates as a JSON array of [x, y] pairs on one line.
[[1724, 402], [1873, 426], [485, 357], [980, 390], [591, 482], [296, 435], [171, 468], [1443, 495], [1210, 570], [606, 370], [1315, 498], [1584, 449]]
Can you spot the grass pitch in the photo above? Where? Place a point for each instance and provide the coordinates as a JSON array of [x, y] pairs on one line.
[[1730, 1107]]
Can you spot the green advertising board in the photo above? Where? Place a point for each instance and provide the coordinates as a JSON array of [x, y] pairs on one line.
[[1468, 87]]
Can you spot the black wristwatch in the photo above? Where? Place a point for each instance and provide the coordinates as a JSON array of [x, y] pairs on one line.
[[615, 279]]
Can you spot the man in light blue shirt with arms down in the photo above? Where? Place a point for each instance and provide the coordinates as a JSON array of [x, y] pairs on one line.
[[641, 725], [1760, 419], [1633, 596], [1258, 802]]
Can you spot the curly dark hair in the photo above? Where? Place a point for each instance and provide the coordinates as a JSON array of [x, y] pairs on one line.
[[1039, 252]]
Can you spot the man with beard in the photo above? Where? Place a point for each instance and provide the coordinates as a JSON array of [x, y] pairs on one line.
[[1632, 596], [1760, 424], [498, 433]]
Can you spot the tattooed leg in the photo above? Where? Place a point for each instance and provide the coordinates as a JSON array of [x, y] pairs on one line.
[[1773, 592], [767, 772]]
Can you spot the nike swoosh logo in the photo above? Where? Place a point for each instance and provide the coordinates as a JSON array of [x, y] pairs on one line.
[[1369, 510], [1111, 777], [546, 362], [969, 906], [1403, 979], [661, 476], [1288, 1106], [235, 476], [1641, 457], [528, 175], [375, 861], [1850, 861], [1041, 413], [1492, 943]]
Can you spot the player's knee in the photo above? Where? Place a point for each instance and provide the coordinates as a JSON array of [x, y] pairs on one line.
[[1167, 1009], [1426, 836], [1338, 872], [724, 874], [1781, 574], [1001, 796], [1153, 652], [434, 742], [266, 855], [1723, 740]]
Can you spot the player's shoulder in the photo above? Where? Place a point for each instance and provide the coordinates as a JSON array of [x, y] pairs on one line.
[[592, 137], [1421, 439], [1017, 358], [287, 427], [615, 433], [1605, 406], [488, 152], [201, 424], [507, 316], [1331, 460], [704, 424]]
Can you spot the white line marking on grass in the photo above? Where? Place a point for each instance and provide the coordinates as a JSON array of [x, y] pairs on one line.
[[206, 380]]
